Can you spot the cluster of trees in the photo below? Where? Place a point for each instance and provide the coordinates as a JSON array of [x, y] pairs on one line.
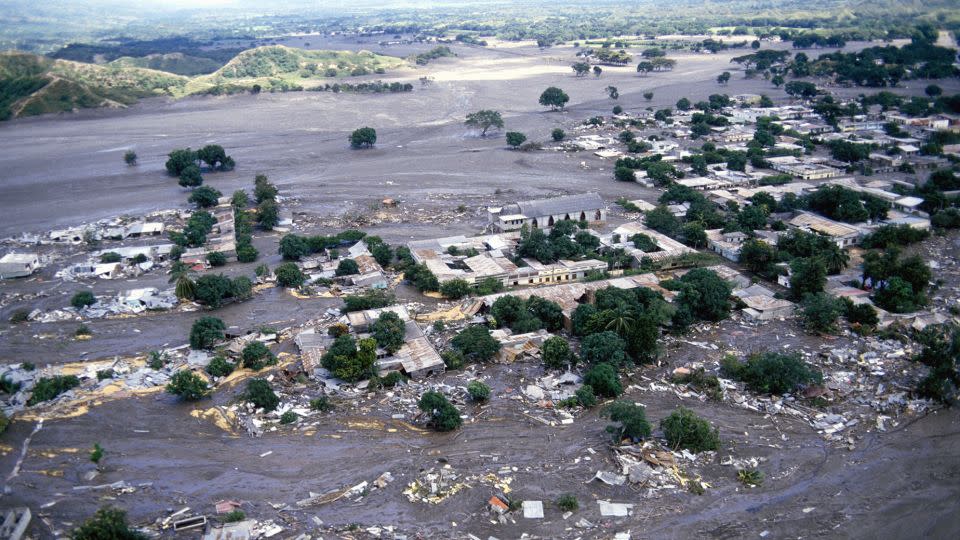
[[842, 204], [374, 87], [887, 66], [194, 233], [661, 172], [622, 326], [265, 196], [899, 284], [351, 360], [243, 227], [214, 289], [185, 163], [656, 64], [771, 372], [611, 57], [294, 247], [567, 240], [440, 51], [941, 353], [455, 289], [527, 315]]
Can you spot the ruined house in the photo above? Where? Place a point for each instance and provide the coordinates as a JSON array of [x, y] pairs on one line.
[[14, 265], [543, 213]]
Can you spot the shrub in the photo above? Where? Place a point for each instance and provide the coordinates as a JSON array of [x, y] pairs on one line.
[[347, 267], [97, 453], [750, 477], [455, 289], [603, 347], [48, 388], [83, 299], [215, 258], [107, 523], [256, 356], [568, 503], [699, 380], [246, 253], [261, 395], [368, 300], [771, 372], [188, 386], [478, 391], [110, 257], [104, 374], [206, 332], [220, 367], [19, 316], [604, 380], [684, 429], [391, 379], [820, 312], [288, 417], [453, 359], [632, 419], [321, 404], [863, 314], [156, 360], [82, 330], [443, 415], [558, 134], [233, 516]]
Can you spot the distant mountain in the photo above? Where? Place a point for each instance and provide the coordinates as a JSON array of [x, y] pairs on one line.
[[32, 85]]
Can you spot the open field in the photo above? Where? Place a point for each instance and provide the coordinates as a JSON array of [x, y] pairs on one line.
[[68, 169]]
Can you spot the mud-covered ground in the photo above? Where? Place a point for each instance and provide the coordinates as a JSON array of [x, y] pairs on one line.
[[68, 170]]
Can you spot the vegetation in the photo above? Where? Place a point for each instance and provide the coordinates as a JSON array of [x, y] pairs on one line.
[[257, 356], [188, 386], [260, 393], [443, 415], [632, 421], [220, 367], [478, 391], [48, 388], [604, 381], [288, 417], [389, 331], [554, 98], [475, 343], [350, 360], [941, 353], [206, 332], [527, 315], [368, 300], [107, 523], [556, 353], [289, 275], [684, 429], [568, 503], [83, 299], [515, 139], [484, 120], [820, 312], [771, 372]]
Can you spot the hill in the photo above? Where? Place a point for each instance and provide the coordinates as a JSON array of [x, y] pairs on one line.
[[280, 68], [32, 85]]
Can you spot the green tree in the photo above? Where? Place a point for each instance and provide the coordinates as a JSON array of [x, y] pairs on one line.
[[257, 356], [476, 344], [206, 332], [556, 353], [580, 69], [107, 524], [515, 139], [646, 95], [220, 367], [694, 236], [808, 275], [443, 415], [455, 289], [757, 256], [178, 160], [703, 294], [604, 347], [724, 77], [554, 98], [821, 311], [684, 429], [683, 104], [294, 247], [389, 331], [190, 176], [130, 157], [188, 386], [632, 421], [347, 267], [289, 275], [771, 372], [260, 393], [662, 220], [484, 120], [624, 174], [215, 258], [604, 380], [364, 137], [558, 134]]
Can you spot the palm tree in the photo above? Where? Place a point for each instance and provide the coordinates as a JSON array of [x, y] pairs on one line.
[[622, 321], [836, 259], [185, 288]]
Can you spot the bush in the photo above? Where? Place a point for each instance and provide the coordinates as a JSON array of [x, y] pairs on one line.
[[321, 404], [289, 275], [585, 396], [233, 516], [206, 332], [684, 429], [364, 137], [48, 388], [204, 197], [478, 391], [515, 138], [443, 415], [215, 258], [83, 299], [20, 316], [568, 503], [246, 253], [632, 419], [188, 386], [368, 300], [107, 523], [97, 453], [750, 477], [104, 374], [82, 330], [455, 289], [558, 134], [261, 395], [288, 417], [256, 356], [770, 372], [862, 314], [604, 380], [110, 257], [220, 367], [820, 312]]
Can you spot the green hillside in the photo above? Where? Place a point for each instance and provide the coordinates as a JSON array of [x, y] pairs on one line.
[[32, 85]]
